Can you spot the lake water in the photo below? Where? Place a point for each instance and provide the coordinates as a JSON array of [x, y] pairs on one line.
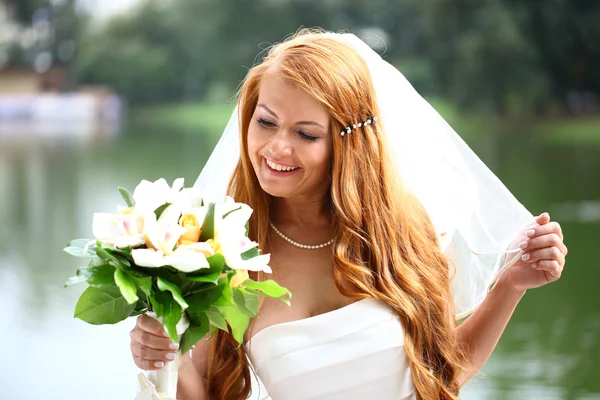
[[50, 186]]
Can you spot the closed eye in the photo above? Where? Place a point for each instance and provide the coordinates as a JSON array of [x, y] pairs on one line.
[[266, 123], [306, 137]]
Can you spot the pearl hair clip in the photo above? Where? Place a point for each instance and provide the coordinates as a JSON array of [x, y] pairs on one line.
[[360, 124]]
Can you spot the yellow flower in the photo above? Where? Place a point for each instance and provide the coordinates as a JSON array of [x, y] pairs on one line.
[[192, 226], [240, 277], [216, 246]]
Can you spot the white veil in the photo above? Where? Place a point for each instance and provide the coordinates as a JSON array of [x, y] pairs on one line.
[[477, 219]]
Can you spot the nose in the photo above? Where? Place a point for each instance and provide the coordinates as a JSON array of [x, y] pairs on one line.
[[280, 144]]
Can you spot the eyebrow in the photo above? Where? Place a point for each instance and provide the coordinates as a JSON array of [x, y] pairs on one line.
[[267, 109]]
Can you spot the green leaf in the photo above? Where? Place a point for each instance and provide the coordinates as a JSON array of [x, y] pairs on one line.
[[216, 319], [144, 283], [115, 261], [213, 329], [240, 301], [95, 275], [98, 275], [75, 280], [212, 274], [229, 212], [158, 212], [208, 226], [120, 255], [156, 300], [175, 290], [203, 295], [124, 252], [172, 315], [216, 262], [102, 305], [254, 252], [226, 297], [268, 288], [196, 331], [196, 318], [78, 243], [127, 286], [237, 319], [210, 278], [141, 307], [76, 248], [251, 302], [127, 197]]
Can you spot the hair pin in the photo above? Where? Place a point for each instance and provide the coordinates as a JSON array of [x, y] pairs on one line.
[[349, 128]]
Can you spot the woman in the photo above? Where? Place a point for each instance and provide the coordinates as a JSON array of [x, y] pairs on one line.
[[373, 314]]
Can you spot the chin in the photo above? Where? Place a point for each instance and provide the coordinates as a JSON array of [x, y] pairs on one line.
[[274, 190]]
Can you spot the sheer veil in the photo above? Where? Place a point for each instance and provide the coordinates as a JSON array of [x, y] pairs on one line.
[[478, 221]]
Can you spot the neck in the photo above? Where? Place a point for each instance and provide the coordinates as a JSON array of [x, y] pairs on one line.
[[302, 212]]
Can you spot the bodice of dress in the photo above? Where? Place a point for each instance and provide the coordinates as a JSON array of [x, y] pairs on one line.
[[355, 352]]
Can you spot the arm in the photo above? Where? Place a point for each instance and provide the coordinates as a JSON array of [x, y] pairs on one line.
[[482, 330], [542, 262], [192, 373]]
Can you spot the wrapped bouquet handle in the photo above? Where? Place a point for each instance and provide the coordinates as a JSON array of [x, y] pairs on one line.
[[165, 379]]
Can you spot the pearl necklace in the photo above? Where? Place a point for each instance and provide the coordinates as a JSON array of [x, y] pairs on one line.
[[303, 246]]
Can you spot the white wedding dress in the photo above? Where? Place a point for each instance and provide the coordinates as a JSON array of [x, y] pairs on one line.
[[355, 352]]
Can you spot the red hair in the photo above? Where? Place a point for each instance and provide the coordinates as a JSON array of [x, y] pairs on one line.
[[385, 244]]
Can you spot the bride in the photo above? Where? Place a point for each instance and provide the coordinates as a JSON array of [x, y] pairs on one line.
[[383, 224]]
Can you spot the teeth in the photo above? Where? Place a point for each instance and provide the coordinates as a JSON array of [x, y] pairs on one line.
[[279, 167]]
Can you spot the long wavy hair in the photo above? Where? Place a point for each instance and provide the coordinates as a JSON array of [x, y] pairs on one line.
[[385, 244]]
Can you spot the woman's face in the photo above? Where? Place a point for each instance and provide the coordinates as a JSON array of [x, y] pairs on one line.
[[289, 141]]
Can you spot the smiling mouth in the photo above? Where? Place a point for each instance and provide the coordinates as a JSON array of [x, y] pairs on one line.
[[273, 166]]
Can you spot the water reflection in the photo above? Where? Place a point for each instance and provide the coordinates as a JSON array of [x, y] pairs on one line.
[[51, 187]]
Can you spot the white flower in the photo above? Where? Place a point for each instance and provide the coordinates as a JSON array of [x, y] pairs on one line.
[[162, 237], [149, 196], [230, 234], [123, 229]]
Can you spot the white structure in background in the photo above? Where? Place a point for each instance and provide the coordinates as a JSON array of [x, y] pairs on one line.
[[80, 114], [34, 99]]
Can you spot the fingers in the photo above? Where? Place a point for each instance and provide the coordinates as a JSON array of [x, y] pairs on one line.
[[543, 219], [552, 268], [148, 358], [151, 325], [150, 346], [545, 229], [547, 254], [544, 241], [147, 339]]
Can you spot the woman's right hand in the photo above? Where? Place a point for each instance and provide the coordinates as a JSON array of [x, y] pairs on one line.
[[150, 345]]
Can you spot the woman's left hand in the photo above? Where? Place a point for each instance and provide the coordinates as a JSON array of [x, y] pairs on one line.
[[543, 257]]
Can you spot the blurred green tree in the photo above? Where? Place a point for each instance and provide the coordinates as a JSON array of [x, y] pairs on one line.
[[499, 56]]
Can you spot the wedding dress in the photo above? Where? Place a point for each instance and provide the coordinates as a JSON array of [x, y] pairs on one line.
[[355, 352]]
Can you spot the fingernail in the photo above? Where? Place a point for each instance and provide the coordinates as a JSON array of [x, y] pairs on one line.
[[159, 364], [523, 245], [174, 346], [525, 257], [170, 356], [530, 233]]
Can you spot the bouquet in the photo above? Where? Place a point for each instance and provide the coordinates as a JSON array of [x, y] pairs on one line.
[[181, 259]]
